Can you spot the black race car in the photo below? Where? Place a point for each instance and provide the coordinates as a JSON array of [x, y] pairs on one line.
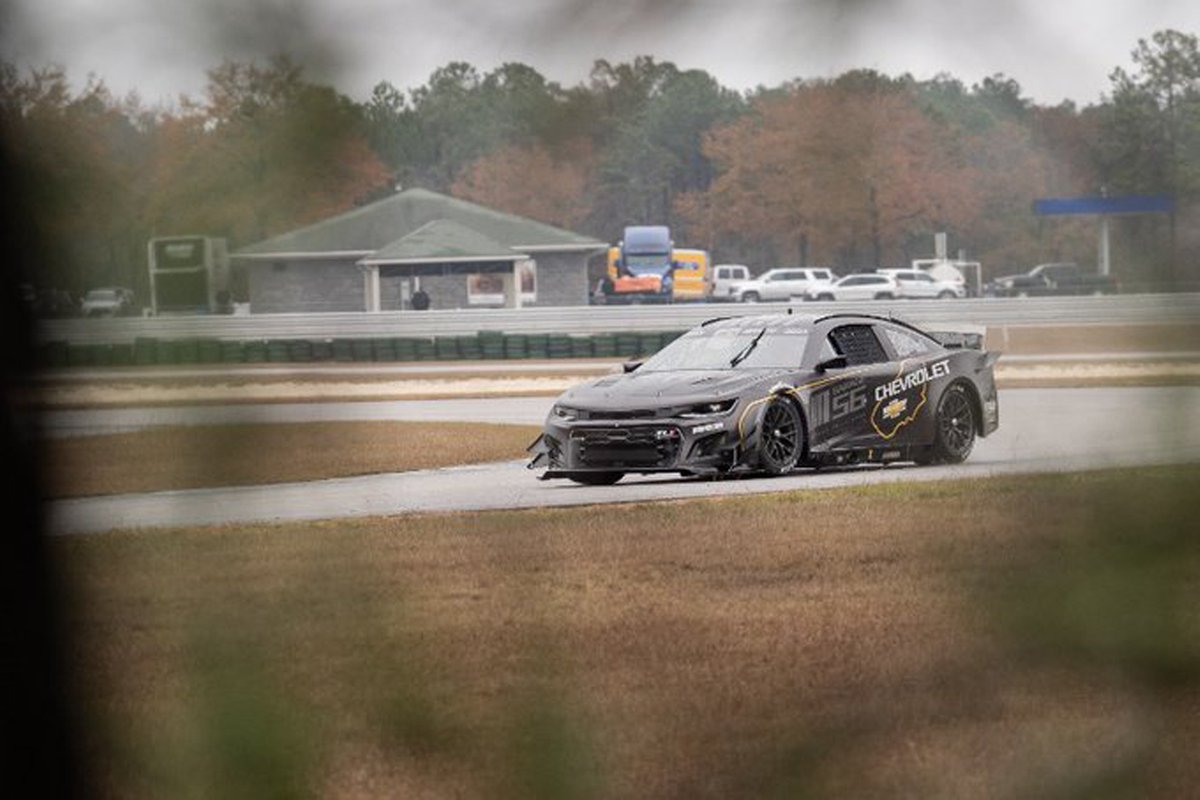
[[767, 394]]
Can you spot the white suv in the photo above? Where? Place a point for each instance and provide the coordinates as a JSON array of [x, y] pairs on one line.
[[783, 284], [919, 285], [725, 280], [861, 286]]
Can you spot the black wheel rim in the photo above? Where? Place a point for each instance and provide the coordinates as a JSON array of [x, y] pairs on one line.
[[780, 435], [956, 423]]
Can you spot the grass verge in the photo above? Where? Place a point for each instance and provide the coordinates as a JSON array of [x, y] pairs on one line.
[[193, 457], [1033, 636]]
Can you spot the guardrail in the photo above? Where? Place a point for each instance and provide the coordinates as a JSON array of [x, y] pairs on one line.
[[1132, 309]]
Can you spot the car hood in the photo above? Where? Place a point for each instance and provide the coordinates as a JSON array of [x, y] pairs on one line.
[[637, 390]]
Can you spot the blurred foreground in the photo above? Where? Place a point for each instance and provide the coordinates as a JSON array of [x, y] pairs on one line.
[[1018, 637]]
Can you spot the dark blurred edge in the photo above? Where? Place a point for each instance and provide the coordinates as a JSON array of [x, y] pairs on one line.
[[39, 756]]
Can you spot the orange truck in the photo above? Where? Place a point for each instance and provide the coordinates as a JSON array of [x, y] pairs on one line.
[[646, 267]]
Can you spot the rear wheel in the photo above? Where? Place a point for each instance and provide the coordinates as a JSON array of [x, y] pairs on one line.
[[750, 297], [885, 296], [780, 438], [946, 295], [596, 478], [954, 437]]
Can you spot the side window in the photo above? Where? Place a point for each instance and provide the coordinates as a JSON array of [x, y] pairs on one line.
[[906, 343], [858, 344]]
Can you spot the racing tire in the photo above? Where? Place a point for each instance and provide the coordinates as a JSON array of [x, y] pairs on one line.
[[780, 437], [750, 297], [596, 478], [954, 429]]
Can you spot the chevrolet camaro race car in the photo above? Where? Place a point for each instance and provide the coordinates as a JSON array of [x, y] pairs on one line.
[[766, 394]]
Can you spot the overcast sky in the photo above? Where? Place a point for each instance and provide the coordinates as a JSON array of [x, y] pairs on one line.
[[1056, 49]]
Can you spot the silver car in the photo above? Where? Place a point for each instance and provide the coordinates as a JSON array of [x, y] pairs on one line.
[[109, 301]]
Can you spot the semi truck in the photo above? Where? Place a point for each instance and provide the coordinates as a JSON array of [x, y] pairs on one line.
[[646, 267]]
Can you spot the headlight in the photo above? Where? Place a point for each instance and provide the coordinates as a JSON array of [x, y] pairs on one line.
[[708, 409], [564, 413]]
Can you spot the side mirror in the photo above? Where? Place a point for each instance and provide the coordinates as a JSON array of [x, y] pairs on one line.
[[630, 366], [837, 362]]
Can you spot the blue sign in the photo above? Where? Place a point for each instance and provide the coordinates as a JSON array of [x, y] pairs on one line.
[[1129, 204]]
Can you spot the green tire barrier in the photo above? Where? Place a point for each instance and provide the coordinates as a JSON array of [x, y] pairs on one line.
[[425, 349], [232, 352], [322, 350], [255, 352], [486, 345], [446, 348], [384, 349], [470, 348], [208, 351]]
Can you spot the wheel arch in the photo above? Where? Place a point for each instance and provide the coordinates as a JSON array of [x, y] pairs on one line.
[[972, 398], [794, 398]]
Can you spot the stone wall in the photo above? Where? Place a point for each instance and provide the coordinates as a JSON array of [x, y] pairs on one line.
[[332, 285], [306, 286]]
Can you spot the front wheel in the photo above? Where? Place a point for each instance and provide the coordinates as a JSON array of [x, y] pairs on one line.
[[780, 437], [750, 297], [596, 478], [885, 296], [946, 295], [954, 437]]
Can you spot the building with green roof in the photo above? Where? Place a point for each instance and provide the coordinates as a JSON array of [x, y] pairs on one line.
[[417, 247]]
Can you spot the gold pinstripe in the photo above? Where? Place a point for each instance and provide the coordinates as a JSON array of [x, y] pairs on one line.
[[795, 391]]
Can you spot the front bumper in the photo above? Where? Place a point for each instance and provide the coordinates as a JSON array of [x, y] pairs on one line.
[[694, 447]]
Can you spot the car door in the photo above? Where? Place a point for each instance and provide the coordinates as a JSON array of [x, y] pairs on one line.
[[866, 287], [840, 408], [902, 404], [919, 285], [774, 286], [848, 288]]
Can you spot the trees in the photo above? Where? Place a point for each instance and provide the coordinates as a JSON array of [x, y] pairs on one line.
[[83, 156], [265, 151], [649, 137], [843, 171], [532, 182], [1150, 140]]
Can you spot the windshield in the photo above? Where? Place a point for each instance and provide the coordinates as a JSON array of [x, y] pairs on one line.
[[730, 349], [654, 264]]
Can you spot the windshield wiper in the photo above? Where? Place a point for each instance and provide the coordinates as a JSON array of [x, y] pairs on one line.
[[745, 352]]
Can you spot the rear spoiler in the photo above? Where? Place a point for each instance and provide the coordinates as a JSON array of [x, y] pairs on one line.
[[965, 337]]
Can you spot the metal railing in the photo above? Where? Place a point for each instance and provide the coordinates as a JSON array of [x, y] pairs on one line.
[[1117, 309]]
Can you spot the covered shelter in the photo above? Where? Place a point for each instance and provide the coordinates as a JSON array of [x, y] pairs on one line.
[[414, 249]]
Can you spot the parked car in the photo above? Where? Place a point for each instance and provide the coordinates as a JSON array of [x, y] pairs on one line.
[[916, 284], [783, 284], [1052, 279], [860, 286], [108, 301], [725, 280]]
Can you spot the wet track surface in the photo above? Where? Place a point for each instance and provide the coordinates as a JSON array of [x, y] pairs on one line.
[[1041, 430]]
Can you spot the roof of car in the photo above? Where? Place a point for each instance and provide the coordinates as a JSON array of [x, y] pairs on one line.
[[792, 323]]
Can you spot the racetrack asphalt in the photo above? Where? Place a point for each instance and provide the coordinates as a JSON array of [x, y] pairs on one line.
[[1041, 430]]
